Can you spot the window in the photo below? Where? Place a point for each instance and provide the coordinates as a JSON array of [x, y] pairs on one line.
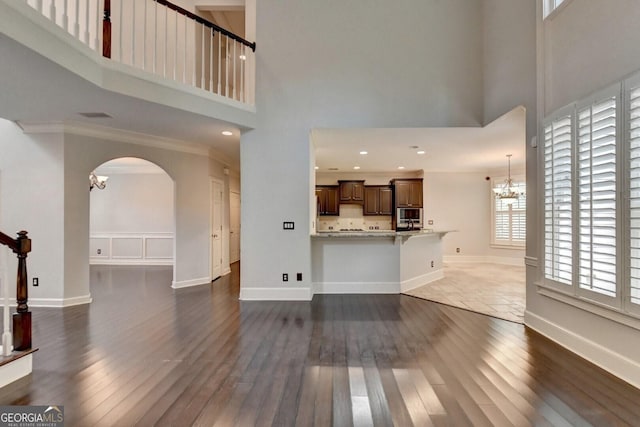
[[597, 197], [509, 220], [558, 229], [582, 220], [549, 6]]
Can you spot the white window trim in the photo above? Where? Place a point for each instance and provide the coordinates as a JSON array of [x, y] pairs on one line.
[[503, 244], [549, 11], [618, 309]]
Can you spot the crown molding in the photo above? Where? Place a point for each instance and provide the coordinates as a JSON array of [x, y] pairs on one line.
[[119, 135]]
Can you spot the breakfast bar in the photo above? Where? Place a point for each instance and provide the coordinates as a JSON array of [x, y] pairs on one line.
[[374, 262]]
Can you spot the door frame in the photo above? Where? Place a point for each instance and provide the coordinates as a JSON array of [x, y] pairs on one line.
[[223, 270]]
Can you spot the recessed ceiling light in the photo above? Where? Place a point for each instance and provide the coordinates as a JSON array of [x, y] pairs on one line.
[[356, 167], [400, 167], [227, 133], [316, 168], [364, 152], [420, 152]]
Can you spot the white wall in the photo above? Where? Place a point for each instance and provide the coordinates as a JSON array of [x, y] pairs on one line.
[[585, 46], [133, 203], [414, 63], [32, 199], [462, 202], [48, 196]]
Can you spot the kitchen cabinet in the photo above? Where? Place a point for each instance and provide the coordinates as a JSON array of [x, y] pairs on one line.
[[407, 192], [378, 200], [351, 192], [328, 200]]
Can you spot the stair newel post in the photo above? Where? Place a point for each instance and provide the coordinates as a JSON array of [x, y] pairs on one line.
[[22, 318], [106, 30]]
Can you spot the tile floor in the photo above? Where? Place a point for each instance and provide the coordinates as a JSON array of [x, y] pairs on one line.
[[491, 289]]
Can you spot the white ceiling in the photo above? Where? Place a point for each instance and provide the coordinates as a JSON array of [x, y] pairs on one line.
[[446, 149]]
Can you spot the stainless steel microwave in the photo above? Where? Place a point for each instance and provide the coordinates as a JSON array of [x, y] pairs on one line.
[[409, 218]]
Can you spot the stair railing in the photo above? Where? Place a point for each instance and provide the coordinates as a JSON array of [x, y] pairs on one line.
[[161, 38], [21, 246]]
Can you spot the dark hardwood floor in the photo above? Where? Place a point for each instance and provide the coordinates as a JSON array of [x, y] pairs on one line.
[[143, 354]]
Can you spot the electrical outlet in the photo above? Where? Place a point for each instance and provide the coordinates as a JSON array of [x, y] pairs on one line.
[[99, 251], [431, 264], [288, 225], [285, 277], [458, 250], [299, 277], [35, 281]]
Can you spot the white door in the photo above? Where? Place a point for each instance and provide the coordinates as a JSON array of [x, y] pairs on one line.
[[234, 225], [217, 192]]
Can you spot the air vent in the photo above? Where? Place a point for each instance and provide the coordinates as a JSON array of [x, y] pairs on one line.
[[333, 169], [95, 115]]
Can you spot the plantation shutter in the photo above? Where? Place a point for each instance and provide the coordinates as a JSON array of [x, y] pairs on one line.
[[557, 200], [634, 194], [597, 197]]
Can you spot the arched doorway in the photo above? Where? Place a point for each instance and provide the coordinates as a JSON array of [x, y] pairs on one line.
[[132, 219]]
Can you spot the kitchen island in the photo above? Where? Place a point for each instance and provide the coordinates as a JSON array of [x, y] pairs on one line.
[[374, 262]]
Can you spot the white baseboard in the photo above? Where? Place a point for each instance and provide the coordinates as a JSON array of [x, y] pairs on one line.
[[15, 370], [56, 302], [454, 259], [616, 364], [356, 288], [137, 261], [188, 283], [275, 294], [422, 280]]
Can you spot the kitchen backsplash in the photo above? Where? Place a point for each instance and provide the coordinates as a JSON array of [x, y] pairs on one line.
[[351, 217]]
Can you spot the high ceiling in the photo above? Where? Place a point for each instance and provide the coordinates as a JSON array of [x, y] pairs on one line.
[[445, 149]]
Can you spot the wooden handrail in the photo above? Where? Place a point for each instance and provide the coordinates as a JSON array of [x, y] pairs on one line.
[[22, 319], [206, 23], [106, 26]]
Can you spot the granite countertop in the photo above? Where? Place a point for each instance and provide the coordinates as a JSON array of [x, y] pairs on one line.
[[379, 233]]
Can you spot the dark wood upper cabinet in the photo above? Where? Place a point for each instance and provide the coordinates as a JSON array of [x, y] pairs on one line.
[[408, 192], [351, 192], [378, 200], [328, 200]]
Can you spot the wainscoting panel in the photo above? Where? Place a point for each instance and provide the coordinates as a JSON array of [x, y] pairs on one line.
[[131, 248]]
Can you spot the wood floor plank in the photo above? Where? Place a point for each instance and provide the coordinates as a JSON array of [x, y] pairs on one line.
[[144, 354]]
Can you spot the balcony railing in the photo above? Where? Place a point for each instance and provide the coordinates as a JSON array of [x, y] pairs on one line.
[[159, 37]]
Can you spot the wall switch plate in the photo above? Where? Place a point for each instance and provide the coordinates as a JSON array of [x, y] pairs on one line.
[[285, 277], [299, 277], [288, 225], [35, 281]]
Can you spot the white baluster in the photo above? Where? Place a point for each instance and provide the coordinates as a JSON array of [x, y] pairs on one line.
[[99, 8], [52, 11], [155, 35], [195, 59], [7, 337], [144, 37], [133, 34], [65, 16], [219, 63], [86, 25], [175, 52], [235, 43], [184, 56], [211, 60], [243, 58], [166, 40], [76, 25], [226, 66], [202, 57], [120, 26]]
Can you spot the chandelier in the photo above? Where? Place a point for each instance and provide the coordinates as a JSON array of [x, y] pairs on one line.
[[97, 181], [508, 193]]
